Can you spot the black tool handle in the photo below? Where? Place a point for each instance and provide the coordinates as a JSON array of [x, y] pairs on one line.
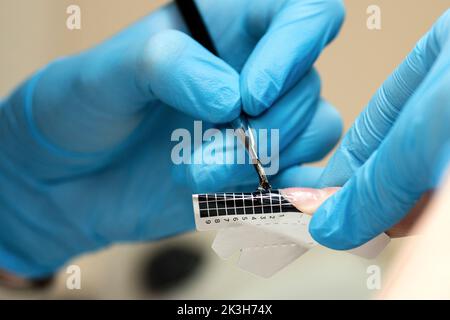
[[196, 24]]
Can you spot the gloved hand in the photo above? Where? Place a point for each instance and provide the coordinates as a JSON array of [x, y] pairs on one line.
[[397, 149], [86, 145]]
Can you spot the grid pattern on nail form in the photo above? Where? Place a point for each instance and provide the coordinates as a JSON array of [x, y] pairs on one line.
[[230, 204], [264, 227]]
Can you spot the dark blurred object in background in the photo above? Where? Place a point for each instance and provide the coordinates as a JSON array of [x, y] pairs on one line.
[[11, 281], [170, 267]]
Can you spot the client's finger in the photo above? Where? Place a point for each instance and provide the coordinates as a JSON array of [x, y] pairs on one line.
[[308, 200]]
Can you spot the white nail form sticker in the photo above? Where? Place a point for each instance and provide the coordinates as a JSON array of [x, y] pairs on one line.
[[265, 227]]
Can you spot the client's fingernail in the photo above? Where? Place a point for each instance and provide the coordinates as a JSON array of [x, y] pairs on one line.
[[308, 200]]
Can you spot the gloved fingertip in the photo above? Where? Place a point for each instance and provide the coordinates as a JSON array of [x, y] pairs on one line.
[[201, 178], [337, 8], [159, 54], [322, 134], [225, 106], [326, 227], [335, 121], [340, 168], [304, 176], [183, 74], [259, 91], [162, 49]]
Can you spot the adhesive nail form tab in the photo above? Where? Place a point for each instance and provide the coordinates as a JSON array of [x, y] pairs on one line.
[[268, 230]]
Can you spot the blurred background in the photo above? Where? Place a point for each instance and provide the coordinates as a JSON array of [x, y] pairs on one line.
[[33, 32]]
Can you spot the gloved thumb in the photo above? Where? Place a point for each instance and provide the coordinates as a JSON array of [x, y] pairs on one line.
[[180, 72]]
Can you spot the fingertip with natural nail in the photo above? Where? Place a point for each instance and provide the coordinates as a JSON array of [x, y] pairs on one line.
[[308, 200]]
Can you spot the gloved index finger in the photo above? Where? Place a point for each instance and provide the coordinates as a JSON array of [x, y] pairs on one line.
[[376, 121], [414, 156], [296, 34], [410, 161]]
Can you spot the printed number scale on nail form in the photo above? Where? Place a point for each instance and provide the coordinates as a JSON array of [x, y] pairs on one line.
[[219, 210], [264, 227]]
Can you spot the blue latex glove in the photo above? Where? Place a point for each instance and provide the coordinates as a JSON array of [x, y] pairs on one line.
[[86, 145], [397, 149]]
